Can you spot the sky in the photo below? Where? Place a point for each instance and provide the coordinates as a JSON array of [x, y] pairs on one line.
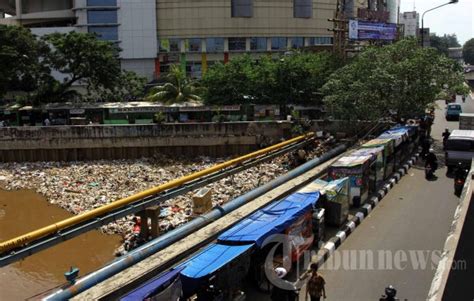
[[453, 18]]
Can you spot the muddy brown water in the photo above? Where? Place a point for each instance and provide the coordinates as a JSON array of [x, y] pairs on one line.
[[25, 210]]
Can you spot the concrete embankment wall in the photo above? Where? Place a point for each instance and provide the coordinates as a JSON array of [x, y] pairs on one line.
[[92, 142], [455, 273]]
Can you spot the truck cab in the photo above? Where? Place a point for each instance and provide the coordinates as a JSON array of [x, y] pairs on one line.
[[460, 148]]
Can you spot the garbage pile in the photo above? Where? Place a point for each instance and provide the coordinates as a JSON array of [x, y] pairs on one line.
[[81, 186]]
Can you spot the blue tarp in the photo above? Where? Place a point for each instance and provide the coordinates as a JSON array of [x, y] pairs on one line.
[[397, 134], [410, 128], [368, 152], [211, 259], [272, 219], [153, 286]]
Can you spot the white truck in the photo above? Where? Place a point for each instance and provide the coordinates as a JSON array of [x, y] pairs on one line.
[[466, 121]]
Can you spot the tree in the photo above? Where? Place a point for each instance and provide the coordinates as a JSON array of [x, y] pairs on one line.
[[468, 52], [443, 43], [128, 87], [289, 79], [177, 89], [21, 67], [401, 77], [82, 58], [230, 83]]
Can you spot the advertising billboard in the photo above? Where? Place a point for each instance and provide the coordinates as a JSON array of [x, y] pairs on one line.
[[363, 30]]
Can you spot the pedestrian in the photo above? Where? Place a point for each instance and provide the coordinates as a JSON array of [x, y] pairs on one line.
[[315, 286]]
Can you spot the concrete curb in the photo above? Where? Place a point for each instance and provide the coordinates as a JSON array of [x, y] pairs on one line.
[[350, 226]]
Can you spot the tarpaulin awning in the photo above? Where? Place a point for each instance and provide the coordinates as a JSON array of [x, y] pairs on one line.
[[211, 259], [387, 143], [368, 152], [397, 134], [154, 285], [272, 219], [353, 161]]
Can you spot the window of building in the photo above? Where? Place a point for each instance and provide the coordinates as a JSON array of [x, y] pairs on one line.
[[279, 43], [297, 42], [237, 44], [101, 16], [174, 45], [109, 33], [320, 41], [215, 44], [193, 45], [302, 8], [258, 44], [242, 8], [194, 69], [101, 2]]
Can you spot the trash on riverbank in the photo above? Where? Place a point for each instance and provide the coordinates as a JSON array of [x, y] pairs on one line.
[[81, 186]]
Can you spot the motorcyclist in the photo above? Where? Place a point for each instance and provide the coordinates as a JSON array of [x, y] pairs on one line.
[[461, 172], [390, 294], [445, 135], [431, 160]]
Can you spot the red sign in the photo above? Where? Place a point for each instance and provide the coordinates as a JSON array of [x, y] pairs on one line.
[[300, 236]]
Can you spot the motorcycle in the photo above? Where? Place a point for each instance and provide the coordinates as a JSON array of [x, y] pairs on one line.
[[459, 180], [429, 171], [390, 294]]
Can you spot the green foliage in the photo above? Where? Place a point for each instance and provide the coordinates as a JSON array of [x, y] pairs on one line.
[[294, 78], [177, 89], [468, 52], [159, 117], [84, 59], [401, 77], [21, 68], [128, 87], [27, 63], [442, 43]]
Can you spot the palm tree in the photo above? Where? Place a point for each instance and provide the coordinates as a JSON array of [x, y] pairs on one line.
[[177, 89]]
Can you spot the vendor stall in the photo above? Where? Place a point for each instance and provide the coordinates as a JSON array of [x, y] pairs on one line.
[[357, 169], [388, 153]]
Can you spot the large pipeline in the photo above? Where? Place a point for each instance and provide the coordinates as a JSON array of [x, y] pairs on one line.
[[179, 233], [53, 228]]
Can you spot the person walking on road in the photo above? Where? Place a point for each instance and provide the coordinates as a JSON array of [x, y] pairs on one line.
[[315, 286]]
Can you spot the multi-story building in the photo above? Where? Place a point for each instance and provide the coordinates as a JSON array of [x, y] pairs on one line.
[[156, 33], [131, 23], [411, 22], [193, 33]]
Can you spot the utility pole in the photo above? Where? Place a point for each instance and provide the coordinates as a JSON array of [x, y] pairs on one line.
[[339, 30]]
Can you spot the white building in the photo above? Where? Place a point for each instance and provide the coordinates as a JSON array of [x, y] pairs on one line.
[[130, 23], [411, 21]]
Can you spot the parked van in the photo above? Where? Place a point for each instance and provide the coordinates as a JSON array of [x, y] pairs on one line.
[[460, 148], [452, 111]]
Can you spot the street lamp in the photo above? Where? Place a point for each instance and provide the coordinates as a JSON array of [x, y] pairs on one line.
[[423, 15]]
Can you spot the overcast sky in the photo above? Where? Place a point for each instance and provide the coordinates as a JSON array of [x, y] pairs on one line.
[[453, 18]]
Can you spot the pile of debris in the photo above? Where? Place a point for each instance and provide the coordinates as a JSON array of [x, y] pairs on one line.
[[82, 186]]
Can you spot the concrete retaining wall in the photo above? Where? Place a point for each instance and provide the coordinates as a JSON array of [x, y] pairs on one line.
[[71, 143], [455, 273]]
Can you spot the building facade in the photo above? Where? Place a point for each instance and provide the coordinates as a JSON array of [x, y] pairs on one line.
[[195, 34], [411, 22], [156, 33]]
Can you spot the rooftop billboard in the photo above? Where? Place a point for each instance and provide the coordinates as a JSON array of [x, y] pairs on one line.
[[363, 30]]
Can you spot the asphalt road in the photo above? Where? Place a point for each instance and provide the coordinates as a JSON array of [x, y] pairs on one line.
[[414, 217]]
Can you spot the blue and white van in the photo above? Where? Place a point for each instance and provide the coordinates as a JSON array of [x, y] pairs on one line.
[[453, 110]]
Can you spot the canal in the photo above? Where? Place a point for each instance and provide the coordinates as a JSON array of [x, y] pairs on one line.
[[25, 210]]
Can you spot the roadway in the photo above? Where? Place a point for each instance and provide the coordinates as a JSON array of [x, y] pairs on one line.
[[415, 215]]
